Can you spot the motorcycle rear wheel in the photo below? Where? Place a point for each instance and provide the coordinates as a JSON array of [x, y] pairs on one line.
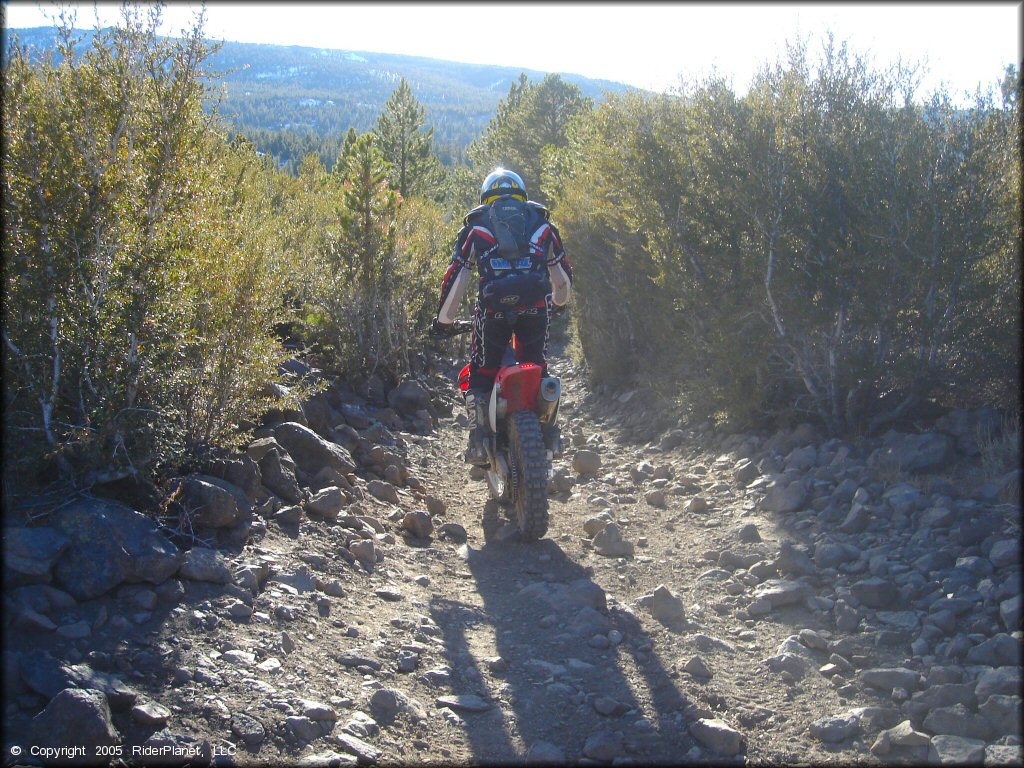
[[530, 493]]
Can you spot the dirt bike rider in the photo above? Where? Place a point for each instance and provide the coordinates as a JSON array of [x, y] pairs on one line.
[[524, 277]]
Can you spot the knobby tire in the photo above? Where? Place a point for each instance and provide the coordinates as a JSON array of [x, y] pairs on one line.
[[531, 493]]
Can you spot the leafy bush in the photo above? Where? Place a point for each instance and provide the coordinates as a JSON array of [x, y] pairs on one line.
[[821, 247], [139, 273]]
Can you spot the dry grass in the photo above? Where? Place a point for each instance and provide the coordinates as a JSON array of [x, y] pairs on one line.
[[1000, 454]]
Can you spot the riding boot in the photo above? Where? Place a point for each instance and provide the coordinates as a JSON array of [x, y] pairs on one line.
[[476, 452], [553, 440]]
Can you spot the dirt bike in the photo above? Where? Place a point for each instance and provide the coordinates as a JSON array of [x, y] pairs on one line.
[[522, 408]]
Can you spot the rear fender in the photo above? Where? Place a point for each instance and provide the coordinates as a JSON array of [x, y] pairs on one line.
[[515, 389]]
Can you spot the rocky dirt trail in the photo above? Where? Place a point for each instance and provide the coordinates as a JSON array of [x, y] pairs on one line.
[[700, 598]]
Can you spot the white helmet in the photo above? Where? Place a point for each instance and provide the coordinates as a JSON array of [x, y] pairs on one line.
[[499, 183]]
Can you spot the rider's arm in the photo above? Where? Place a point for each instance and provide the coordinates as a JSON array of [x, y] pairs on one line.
[[456, 279], [559, 269]]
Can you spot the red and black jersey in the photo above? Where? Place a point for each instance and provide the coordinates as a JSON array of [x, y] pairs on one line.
[[478, 246]]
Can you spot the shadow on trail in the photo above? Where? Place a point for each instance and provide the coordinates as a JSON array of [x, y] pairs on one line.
[[543, 615]]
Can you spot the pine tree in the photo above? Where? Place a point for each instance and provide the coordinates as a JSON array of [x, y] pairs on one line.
[[405, 143], [530, 119]]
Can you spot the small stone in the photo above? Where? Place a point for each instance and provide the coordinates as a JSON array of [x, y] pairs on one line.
[[418, 524], [454, 532], [835, 729], [463, 703], [496, 664], [248, 729], [609, 707], [603, 746], [717, 735], [365, 551], [151, 713], [656, 498], [594, 525], [386, 703], [887, 679], [955, 750], [33, 621], [586, 462], [545, 753], [270, 665], [407, 661], [384, 491], [287, 643], [812, 639], [438, 676], [290, 516], [75, 631], [609, 542], [697, 667], [303, 729], [667, 607], [240, 611], [317, 710], [904, 735], [875, 592], [366, 753], [204, 564], [748, 533], [242, 658], [1003, 712], [696, 505]]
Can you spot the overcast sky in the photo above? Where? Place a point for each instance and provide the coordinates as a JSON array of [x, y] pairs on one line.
[[647, 45]]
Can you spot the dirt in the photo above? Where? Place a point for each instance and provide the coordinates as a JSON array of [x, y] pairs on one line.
[[476, 607]]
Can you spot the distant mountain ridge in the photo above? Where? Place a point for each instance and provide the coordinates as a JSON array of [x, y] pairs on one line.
[[325, 91]]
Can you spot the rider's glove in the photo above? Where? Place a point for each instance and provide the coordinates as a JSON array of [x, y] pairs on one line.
[[442, 330]]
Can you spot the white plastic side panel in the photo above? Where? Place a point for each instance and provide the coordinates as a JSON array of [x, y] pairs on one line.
[[492, 410]]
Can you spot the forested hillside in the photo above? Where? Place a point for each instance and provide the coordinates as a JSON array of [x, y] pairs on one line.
[[292, 100], [831, 246]]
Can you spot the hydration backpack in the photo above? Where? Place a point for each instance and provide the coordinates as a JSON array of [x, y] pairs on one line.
[[510, 221]]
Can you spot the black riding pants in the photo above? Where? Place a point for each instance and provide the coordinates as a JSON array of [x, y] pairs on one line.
[[492, 332]]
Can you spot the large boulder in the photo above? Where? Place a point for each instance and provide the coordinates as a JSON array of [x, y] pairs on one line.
[[111, 543], [409, 397], [205, 564], [928, 452], [328, 502], [213, 503], [586, 462], [78, 716], [966, 427], [45, 675], [785, 497], [241, 471], [383, 491], [30, 554], [310, 451], [319, 414], [278, 472], [717, 736]]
